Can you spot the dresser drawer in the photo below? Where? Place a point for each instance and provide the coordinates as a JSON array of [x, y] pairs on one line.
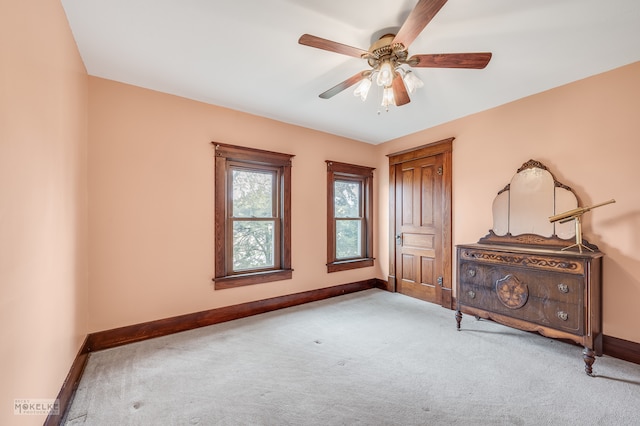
[[560, 287], [551, 263], [551, 299], [563, 317], [542, 311]]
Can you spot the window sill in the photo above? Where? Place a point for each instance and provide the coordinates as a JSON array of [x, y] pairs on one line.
[[233, 281], [349, 264]]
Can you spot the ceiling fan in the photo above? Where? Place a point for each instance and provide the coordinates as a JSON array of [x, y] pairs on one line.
[[387, 55]]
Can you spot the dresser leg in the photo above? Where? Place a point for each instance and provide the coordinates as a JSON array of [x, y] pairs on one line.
[[458, 318], [589, 357]]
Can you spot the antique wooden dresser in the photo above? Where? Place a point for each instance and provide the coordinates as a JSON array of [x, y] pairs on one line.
[[525, 275]]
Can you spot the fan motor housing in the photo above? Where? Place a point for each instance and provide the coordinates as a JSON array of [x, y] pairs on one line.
[[384, 48]]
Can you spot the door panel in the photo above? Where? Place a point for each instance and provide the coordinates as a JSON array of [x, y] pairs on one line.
[[407, 266]]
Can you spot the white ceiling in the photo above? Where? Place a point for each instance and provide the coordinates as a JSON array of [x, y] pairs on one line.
[[244, 54]]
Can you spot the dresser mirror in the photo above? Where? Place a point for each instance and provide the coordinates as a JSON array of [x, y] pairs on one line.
[[522, 209]]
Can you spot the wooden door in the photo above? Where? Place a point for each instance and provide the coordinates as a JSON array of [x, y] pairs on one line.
[[421, 220]]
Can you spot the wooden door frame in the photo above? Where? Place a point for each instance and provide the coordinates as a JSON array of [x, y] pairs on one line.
[[444, 146]]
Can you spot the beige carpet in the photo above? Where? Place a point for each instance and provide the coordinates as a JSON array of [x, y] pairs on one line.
[[369, 358]]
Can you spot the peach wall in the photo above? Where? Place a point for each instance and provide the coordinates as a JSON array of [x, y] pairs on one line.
[[588, 134], [43, 203], [151, 203]]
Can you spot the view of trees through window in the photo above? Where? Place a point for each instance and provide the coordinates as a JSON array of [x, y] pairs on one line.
[[348, 216], [254, 217]]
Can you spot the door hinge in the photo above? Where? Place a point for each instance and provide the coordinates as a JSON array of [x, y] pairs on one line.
[[440, 171], [440, 281]]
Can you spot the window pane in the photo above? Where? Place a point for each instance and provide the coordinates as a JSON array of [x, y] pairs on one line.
[[252, 193], [346, 198], [253, 244], [348, 239]]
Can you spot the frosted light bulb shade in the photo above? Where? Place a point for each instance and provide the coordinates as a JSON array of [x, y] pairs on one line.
[[412, 82], [363, 89], [385, 75], [387, 97]]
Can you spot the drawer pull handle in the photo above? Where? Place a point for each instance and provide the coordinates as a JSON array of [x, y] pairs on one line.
[[563, 288], [563, 315], [472, 272], [472, 294]]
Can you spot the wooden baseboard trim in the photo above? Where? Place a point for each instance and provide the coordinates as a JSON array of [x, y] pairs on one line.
[[68, 389], [622, 349], [138, 332]]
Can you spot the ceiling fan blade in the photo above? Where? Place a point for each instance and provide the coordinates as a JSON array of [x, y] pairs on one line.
[[451, 60], [344, 85], [331, 46], [419, 17], [400, 94]]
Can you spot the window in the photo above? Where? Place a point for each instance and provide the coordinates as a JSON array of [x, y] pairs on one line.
[[252, 216], [349, 216]]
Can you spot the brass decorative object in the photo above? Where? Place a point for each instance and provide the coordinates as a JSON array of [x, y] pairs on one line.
[[576, 214]]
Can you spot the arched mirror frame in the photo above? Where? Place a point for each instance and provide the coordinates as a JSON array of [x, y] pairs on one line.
[[521, 210]]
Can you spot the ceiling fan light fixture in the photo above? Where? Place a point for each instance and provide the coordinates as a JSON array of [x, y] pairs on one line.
[[385, 74], [411, 81], [363, 89], [390, 53], [387, 97]]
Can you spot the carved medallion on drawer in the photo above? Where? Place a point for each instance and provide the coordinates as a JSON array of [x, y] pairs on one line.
[[511, 292]]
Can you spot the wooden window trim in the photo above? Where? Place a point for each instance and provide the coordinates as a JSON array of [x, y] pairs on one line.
[[224, 154], [335, 171]]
